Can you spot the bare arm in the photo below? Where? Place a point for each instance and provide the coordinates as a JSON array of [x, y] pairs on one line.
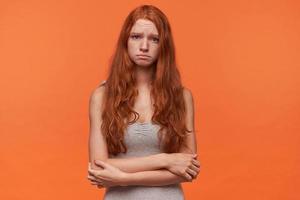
[[98, 146], [138, 164], [158, 177], [190, 123]]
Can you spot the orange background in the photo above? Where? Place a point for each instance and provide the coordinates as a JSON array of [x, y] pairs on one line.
[[240, 59]]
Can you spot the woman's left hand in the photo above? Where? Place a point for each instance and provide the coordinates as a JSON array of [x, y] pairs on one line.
[[107, 177]]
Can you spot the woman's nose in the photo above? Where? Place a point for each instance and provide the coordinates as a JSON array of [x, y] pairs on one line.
[[144, 45]]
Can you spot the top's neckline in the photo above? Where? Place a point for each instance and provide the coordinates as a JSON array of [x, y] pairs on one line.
[[149, 122], [142, 123]]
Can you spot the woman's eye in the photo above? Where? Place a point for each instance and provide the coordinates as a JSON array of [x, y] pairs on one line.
[[155, 39], [135, 36], [138, 36]]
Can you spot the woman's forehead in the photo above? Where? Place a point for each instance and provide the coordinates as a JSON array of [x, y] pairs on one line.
[[144, 24]]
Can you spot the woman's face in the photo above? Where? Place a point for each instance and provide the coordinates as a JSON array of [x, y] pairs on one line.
[[143, 43]]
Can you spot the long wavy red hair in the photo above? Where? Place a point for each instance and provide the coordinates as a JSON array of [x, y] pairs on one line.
[[166, 90]]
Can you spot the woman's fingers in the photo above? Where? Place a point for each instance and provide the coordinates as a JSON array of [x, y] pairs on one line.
[[196, 162], [91, 177], [99, 185], [94, 183], [96, 175], [191, 172], [94, 179], [194, 168], [188, 176], [90, 173]]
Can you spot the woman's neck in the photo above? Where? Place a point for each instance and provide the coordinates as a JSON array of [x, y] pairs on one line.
[[144, 76]]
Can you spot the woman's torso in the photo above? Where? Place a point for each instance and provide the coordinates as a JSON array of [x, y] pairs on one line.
[[141, 139]]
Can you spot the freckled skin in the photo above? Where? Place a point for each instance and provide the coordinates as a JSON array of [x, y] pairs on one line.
[[144, 42]]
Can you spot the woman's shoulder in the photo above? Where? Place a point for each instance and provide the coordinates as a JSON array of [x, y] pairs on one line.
[[101, 86], [187, 93], [98, 92], [103, 82], [188, 97]]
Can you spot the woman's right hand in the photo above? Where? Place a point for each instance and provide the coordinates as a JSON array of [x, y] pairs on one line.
[[183, 164]]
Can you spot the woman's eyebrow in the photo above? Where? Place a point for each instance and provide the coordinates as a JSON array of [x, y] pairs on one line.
[[151, 34], [156, 35]]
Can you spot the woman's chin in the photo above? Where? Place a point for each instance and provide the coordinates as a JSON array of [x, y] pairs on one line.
[[143, 63]]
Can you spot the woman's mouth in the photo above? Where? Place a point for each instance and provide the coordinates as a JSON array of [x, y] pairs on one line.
[[143, 56]]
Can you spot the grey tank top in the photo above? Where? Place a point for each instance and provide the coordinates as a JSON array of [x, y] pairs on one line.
[[141, 139]]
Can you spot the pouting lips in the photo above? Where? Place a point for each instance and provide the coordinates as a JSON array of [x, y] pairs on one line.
[[143, 56]]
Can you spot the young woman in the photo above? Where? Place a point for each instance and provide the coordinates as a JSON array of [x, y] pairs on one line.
[[142, 143]]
